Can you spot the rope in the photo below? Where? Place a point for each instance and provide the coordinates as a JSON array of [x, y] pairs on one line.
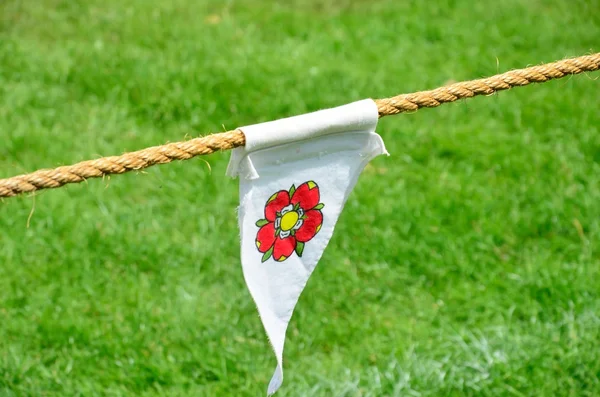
[[53, 178], [488, 86]]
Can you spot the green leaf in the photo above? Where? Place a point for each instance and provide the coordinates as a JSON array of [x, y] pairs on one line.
[[261, 222], [319, 206], [292, 190], [299, 248], [268, 254], [296, 206]]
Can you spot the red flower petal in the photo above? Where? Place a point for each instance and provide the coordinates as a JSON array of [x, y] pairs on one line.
[[307, 195], [311, 226], [284, 248], [275, 203], [265, 237]]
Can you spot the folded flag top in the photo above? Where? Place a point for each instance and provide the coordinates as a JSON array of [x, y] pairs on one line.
[[295, 176]]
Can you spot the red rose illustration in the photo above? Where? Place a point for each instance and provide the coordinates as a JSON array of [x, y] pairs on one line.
[[291, 219]]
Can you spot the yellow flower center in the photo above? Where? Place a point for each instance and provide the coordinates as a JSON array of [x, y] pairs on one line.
[[288, 220]]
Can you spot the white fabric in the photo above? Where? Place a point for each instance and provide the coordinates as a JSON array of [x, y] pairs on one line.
[[326, 151], [356, 116]]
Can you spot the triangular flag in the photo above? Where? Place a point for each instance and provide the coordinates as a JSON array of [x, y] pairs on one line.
[[295, 176]]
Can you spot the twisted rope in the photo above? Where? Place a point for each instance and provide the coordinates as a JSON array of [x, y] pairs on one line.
[[468, 89], [53, 178]]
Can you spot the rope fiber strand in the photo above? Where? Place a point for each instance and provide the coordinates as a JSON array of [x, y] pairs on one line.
[[53, 178]]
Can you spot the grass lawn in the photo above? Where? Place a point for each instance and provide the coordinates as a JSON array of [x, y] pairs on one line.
[[465, 264]]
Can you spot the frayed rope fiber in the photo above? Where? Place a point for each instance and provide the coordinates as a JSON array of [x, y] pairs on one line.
[[57, 177]]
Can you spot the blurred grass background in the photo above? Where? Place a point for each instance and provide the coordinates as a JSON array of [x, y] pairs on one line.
[[464, 264]]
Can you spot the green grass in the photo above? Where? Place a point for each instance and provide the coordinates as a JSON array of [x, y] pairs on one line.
[[464, 264]]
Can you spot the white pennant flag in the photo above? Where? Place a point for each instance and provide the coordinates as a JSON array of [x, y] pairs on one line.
[[295, 176]]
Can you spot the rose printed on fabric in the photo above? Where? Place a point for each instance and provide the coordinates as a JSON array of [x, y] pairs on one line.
[[292, 218]]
